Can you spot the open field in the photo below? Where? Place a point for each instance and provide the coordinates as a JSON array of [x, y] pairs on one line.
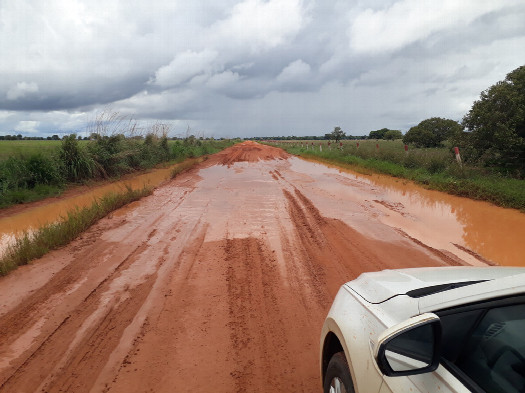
[[223, 276], [26, 148]]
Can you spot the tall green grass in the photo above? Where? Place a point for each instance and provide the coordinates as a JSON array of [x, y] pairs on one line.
[[34, 175], [434, 168], [33, 245]]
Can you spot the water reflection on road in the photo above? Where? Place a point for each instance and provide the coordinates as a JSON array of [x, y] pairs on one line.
[[435, 218]]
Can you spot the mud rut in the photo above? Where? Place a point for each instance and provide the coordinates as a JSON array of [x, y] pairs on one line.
[[219, 281]]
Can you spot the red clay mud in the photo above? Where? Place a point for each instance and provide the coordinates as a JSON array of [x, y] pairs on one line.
[[250, 152], [218, 281]]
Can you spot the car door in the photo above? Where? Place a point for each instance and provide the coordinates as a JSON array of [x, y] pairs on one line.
[[483, 350]]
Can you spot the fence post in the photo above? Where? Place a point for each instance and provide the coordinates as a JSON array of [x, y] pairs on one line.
[[458, 157], [320, 147], [406, 149]]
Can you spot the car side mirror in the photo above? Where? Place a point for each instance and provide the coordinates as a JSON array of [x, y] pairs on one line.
[[411, 347]]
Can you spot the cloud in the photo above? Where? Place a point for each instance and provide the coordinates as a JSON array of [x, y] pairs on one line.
[[409, 21], [21, 89], [184, 67], [297, 70], [222, 80], [275, 66], [260, 25], [27, 126]]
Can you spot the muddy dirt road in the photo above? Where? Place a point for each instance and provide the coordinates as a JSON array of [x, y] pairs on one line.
[[218, 281]]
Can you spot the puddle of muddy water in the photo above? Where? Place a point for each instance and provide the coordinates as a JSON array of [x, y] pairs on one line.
[[435, 218], [38, 216]]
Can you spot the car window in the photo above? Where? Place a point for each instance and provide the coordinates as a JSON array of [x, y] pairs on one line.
[[493, 353], [456, 329]]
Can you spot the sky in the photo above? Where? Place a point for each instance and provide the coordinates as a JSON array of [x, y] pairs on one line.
[[246, 68]]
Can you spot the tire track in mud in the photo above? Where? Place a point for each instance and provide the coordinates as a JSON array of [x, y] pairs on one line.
[[252, 278], [334, 253], [84, 338], [75, 338]]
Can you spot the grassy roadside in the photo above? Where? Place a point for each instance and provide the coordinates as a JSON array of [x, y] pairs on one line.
[[52, 236], [34, 245], [453, 179], [186, 165], [30, 172]]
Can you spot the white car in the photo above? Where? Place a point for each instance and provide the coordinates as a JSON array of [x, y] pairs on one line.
[[450, 329]]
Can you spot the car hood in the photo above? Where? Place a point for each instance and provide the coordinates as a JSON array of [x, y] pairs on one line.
[[377, 287]]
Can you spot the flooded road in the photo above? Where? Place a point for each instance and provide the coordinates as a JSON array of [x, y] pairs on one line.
[[221, 278], [477, 232]]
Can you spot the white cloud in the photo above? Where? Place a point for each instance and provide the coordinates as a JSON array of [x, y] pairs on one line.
[[295, 71], [185, 66], [21, 89], [223, 79], [408, 21], [260, 25], [29, 126]]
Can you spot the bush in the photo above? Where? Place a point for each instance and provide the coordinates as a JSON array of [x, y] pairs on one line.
[[77, 162], [44, 170]]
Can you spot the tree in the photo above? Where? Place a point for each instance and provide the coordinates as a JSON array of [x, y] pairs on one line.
[[393, 134], [337, 134], [496, 123], [432, 132], [378, 134]]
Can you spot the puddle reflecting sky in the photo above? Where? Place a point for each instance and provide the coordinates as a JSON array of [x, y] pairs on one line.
[[431, 216]]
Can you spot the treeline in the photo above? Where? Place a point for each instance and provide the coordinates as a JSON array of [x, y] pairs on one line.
[[20, 137], [24, 178], [308, 137]]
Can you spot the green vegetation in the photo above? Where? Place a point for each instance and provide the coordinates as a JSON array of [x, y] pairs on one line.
[[385, 133], [495, 126], [185, 165], [9, 148], [337, 134], [432, 132], [392, 135], [52, 236], [434, 168], [32, 173]]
